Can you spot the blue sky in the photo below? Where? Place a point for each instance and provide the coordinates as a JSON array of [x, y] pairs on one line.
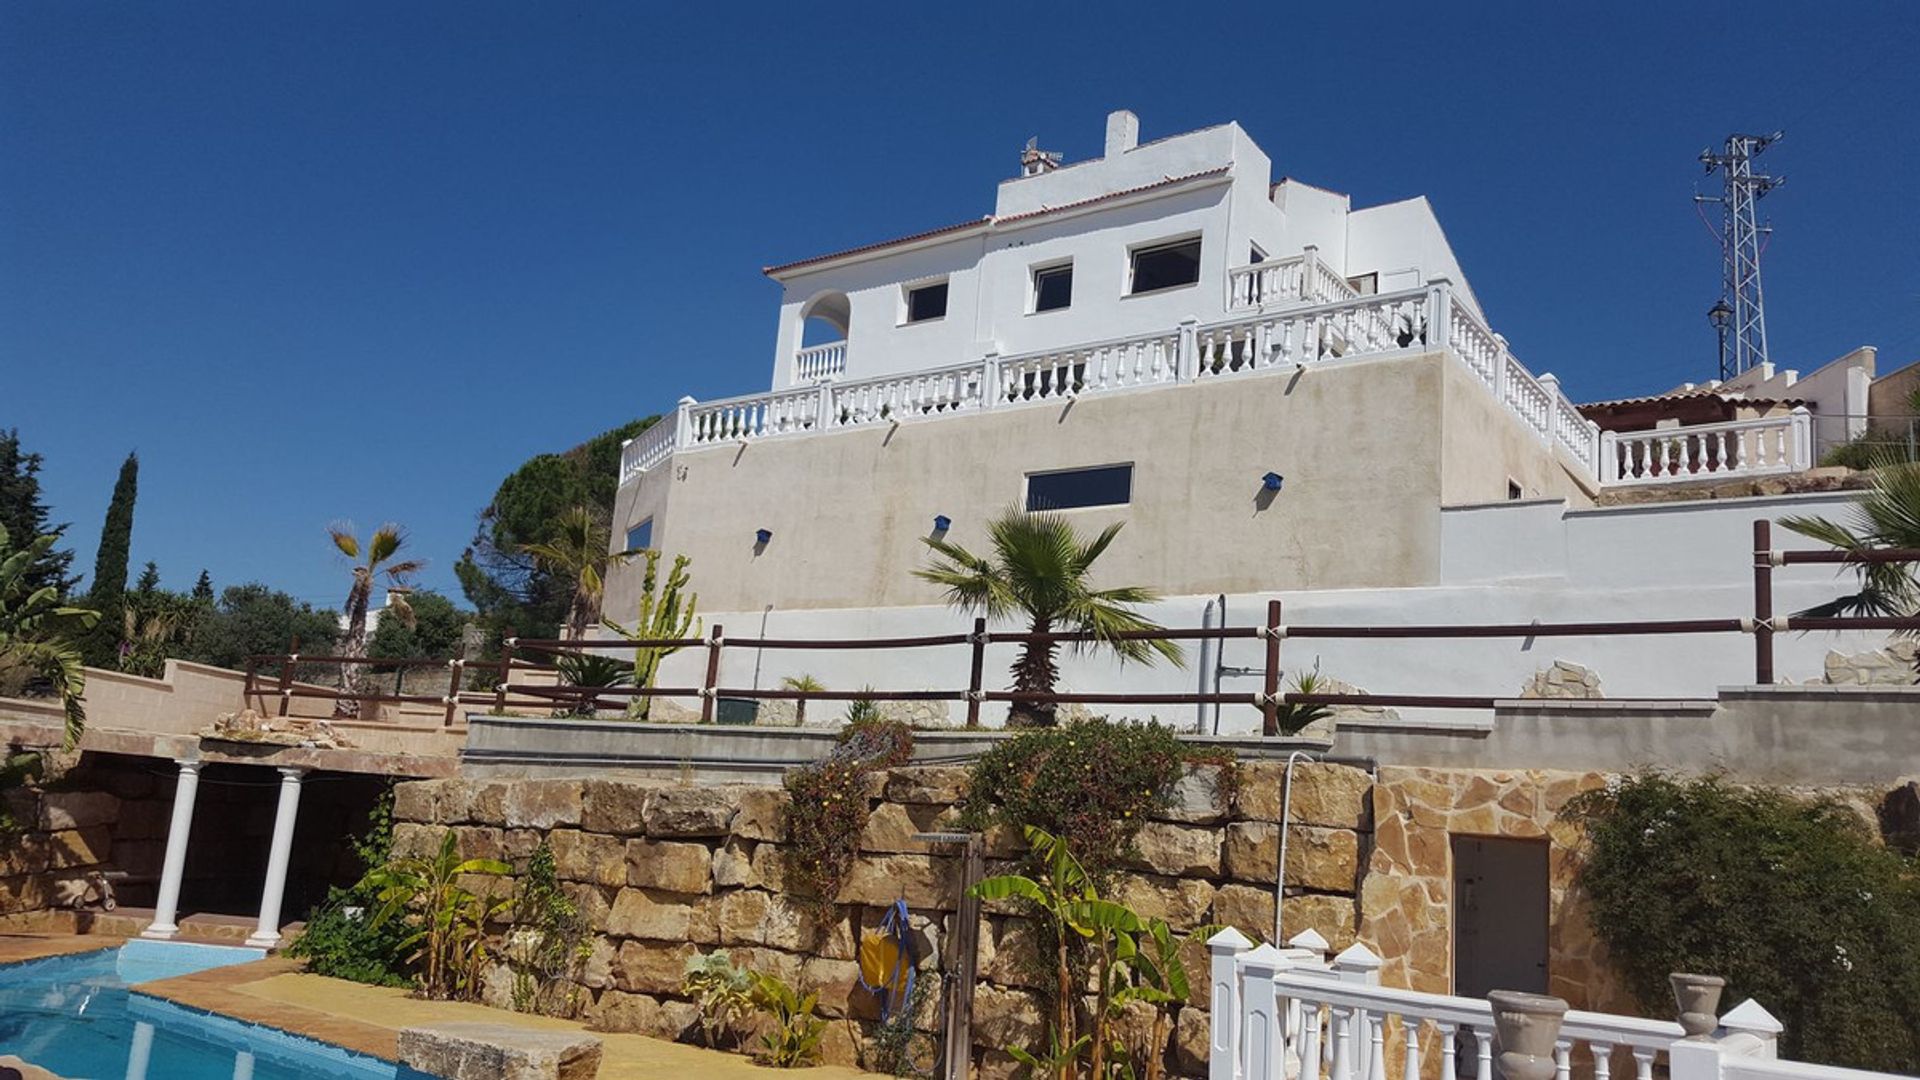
[[322, 261]]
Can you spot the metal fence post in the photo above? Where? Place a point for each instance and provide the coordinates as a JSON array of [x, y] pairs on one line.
[[1270, 695], [979, 644], [1763, 602], [286, 674], [714, 639]]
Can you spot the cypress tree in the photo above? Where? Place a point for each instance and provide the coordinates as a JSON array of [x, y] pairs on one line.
[[25, 517], [203, 589], [149, 579], [116, 539]]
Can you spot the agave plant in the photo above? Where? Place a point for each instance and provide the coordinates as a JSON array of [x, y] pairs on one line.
[[448, 943], [39, 634]]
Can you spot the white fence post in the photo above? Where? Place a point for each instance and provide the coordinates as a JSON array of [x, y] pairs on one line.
[[823, 407], [1802, 439], [1551, 384], [1259, 1013], [1309, 270], [990, 379], [1223, 1044], [1355, 964], [1187, 364], [1751, 1024], [1439, 313], [1500, 369], [683, 423], [1693, 1059]]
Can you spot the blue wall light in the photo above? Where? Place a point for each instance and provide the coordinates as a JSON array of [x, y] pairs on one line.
[[941, 523], [1272, 481], [763, 535]]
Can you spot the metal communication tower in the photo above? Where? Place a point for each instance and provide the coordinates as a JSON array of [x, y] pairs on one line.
[[1740, 234]]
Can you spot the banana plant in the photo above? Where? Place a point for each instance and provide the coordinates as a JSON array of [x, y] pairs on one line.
[[448, 943], [663, 616], [1066, 898], [39, 634]]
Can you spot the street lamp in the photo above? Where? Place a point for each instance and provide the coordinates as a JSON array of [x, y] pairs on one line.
[[1719, 315]]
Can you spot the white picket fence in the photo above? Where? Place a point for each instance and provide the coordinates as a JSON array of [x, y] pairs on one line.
[[1292, 1014]]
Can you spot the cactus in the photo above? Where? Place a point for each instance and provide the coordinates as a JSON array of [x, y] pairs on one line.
[[661, 617]]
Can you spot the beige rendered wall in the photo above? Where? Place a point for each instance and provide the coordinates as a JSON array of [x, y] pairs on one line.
[[1483, 445], [1358, 442]]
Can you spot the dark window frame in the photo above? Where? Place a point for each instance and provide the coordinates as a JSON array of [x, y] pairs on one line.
[[1053, 272], [922, 289], [1163, 247], [646, 524], [1103, 480]]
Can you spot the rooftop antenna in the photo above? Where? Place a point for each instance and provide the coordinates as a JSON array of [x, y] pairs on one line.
[[1034, 161], [1740, 244]]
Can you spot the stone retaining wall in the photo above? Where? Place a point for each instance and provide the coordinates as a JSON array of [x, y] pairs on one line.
[[90, 820], [665, 872]]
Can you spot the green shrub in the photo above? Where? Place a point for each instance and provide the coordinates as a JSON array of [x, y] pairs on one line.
[[1793, 900], [827, 804], [342, 939], [1092, 783], [549, 940], [795, 1036]]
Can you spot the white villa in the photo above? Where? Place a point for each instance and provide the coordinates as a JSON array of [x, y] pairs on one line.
[[1281, 394]]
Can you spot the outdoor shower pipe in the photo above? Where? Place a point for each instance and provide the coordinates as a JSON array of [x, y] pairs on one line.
[[1286, 819]]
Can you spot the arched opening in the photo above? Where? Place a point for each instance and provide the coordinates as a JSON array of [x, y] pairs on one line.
[[823, 336]]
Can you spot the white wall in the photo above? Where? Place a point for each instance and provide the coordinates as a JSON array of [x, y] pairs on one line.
[[1405, 236], [1505, 563]]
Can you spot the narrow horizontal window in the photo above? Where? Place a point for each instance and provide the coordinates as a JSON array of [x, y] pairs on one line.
[[1166, 266], [1053, 288], [1069, 489], [640, 537], [927, 302]]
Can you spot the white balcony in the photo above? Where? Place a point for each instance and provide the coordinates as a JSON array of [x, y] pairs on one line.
[[823, 361], [1301, 279], [1277, 337]]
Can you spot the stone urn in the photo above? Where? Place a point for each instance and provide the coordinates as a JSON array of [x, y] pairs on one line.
[[1698, 998], [1526, 1027]]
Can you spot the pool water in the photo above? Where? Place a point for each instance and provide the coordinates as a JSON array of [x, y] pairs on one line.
[[76, 1016]]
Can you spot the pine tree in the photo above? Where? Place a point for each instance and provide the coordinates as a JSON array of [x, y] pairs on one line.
[[25, 516], [116, 539], [149, 579], [203, 589]]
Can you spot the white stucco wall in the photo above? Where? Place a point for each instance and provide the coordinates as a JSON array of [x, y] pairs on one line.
[[1507, 563]]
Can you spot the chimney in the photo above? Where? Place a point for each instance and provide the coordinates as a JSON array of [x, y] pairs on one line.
[[1123, 132]]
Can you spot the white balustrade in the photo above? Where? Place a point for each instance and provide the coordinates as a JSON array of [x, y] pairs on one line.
[[905, 397], [1090, 369], [647, 449], [757, 416], [1299, 279], [1475, 344], [820, 361], [1758, 447]]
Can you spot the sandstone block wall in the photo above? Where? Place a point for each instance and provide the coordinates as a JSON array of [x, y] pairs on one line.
[[91, 819], [665, 872]]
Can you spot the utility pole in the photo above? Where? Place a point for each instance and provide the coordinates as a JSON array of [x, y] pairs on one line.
[[1740, 233]]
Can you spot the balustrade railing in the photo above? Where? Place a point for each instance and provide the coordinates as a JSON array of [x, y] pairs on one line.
[[1770, 444], [820, 361], [647, 449], [756, 416], [1290, 1014], [902, 397], [1300, 278], [1428, 317]]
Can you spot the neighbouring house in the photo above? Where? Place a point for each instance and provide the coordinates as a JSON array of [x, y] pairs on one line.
[[1280, 394]]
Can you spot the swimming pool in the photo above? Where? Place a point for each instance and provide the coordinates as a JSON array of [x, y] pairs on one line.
[[76, 1016]]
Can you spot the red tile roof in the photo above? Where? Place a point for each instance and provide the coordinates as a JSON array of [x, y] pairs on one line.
[[990, 221]]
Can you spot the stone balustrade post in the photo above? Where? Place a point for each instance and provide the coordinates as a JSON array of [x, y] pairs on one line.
[[823, 416], [1607, 468], [1752, 1030], [1187, 364], [683, 423], [1500, 368], [1802, 427], [1223, 1041], [1439, 313], [1260, 1031], [1551, 384], [990, 379], [1309, 271]]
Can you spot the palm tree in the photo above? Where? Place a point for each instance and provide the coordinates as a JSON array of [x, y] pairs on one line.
[[38, 634], [1887, 517], [806, 684], [375, 559], [578, 553], [1039, 569]]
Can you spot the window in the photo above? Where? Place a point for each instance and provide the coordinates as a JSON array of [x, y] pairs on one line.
[[1166, 266], [1514, 493], [926, 302], [1053, 288], [1068, 489], [1255, 256], [640, 537]]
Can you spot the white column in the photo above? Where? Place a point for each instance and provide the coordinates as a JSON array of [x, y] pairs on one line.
[[267, 934], [166, 906]]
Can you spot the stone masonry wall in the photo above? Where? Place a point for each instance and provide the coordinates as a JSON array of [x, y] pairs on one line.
[[664, 872], [95, 816]]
